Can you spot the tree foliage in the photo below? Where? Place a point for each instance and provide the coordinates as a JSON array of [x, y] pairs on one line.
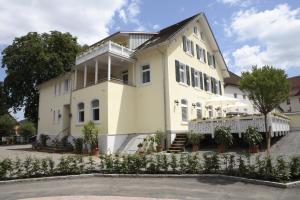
[[7, 123], [3, 100], [267, 87], [27, 129], [33, 59]]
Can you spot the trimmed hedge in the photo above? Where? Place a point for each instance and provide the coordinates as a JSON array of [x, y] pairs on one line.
[[279, 169]]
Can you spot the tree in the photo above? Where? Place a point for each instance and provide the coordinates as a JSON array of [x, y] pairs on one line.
[[27, 129], [33, 59], [3, 100], [267, 88], [7, 123]]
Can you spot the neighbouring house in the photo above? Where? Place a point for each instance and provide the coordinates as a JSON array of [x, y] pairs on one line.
[[231, 89], [291, 106], [135, 83]]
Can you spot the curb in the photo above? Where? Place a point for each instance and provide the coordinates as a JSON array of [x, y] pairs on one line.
[[232, 178]]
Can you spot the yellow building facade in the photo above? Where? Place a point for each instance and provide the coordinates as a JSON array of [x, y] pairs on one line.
[[134, 83]]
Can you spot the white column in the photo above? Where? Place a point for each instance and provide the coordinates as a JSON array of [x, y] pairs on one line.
[[85, 74], [75, 79], [96, 71], [108, 68]]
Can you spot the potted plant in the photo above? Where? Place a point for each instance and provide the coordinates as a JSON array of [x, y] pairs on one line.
[[223, 138], [159, 139], [253, 138], [194, 139], [90, 136]]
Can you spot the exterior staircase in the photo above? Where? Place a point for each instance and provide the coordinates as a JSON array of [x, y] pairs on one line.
[[178, 144]]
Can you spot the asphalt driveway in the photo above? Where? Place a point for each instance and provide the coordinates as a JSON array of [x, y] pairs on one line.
[[159, 188]]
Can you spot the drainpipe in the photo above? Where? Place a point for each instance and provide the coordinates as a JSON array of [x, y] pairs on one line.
[[163, 56]]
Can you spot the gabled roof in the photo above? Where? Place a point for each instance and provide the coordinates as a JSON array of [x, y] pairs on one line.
[[166, 33], [295, 85], [233, 79]]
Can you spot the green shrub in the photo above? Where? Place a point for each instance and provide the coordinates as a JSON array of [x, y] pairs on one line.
[[7, 123], [223, 136], [159, 137], [282, 170], [78, 145], [194, 138], [90, 134], [252, 137], [173, 163], [27, 129], [295, 167]]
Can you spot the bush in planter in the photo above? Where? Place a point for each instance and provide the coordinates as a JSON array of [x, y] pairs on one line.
[[295, 167], [223, 137], [90, 136], [253, 138], [194, 139], [159, 139]]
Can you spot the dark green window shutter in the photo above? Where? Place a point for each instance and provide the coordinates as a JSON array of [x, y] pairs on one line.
[[197, 51], [201, 81], [184, 43], [187, 75], [204, 54], [177, 70], [220, 87], [193, 77], [214, 62], [192, 47]]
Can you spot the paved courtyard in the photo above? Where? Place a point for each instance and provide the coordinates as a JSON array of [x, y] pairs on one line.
[[159, 188]]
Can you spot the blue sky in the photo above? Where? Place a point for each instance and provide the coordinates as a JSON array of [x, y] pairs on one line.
[[248, 31]]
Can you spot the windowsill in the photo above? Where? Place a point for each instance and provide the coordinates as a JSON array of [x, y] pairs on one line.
[[196, 36], [189, 54], [79, 123], [183, 84], [212, 66], [184, 123], [145, 84], [201, 61], [97, 122], [197, 88]]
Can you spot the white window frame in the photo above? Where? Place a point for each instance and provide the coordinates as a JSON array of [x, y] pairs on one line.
[[189, 46], [202, 55], [199, 107], [182, 71], [144, 71], [184, 106], [94, 108], [78, 113]]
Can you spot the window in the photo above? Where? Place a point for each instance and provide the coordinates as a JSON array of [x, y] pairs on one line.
[[235, 95], [210, 112], [196, 79], [184, 110], [196, 30], [182, 71], [288, 102], [58, 116], [200, 54], [202, 35], [206, 82], [66, 85], [211, 60], [59, 88], [95, 110], [125, 77], [188, 45], [244, 96], [145, 74], [81, 112], [199, 110]]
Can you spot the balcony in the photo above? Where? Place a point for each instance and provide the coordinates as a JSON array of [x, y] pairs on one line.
[[107, 47], [279, 124]]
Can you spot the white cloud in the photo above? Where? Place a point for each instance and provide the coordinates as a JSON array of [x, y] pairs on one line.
[[155, 26], [242, 3], [274, 35], [88, 20]]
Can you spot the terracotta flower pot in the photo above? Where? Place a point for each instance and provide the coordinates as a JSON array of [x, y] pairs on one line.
[[159, 148], [195, 147], [221, 148], [95, 152], [254, 149]]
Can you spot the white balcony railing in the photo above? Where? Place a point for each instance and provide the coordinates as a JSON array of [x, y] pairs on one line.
[[279, 125], [104, 48]]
